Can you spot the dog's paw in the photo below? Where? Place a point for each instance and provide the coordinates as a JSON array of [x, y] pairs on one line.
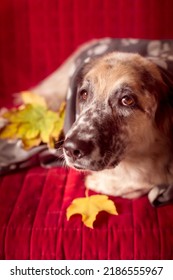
[[92, 182], [98, 183], [103, 183], [161, 195]]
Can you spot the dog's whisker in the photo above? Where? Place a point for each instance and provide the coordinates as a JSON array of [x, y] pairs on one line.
[[59, 143], [64, 164], [59, 149]]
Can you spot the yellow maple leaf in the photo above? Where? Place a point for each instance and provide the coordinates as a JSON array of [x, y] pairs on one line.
[[29, 97], [58, 125], [89, 207], [30, 143], [33, 123]]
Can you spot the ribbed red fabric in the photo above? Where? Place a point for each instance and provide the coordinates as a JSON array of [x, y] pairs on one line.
[[35, 37], [33, 222]]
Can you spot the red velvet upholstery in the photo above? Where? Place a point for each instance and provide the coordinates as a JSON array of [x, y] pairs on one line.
[[35, 37], [33, 223]]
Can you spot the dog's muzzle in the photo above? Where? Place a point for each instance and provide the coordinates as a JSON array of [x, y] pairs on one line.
[[90, 154], [93, 144], [78, 153], [76, 149]]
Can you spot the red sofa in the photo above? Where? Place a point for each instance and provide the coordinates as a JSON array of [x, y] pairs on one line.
[[36, 36]]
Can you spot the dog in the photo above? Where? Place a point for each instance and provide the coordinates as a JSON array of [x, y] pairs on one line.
[[123, 130]]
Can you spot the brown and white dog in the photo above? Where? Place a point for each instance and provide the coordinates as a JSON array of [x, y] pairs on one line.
[[124, 130]]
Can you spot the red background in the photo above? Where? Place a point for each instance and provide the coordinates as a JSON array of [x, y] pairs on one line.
[[35, 37]]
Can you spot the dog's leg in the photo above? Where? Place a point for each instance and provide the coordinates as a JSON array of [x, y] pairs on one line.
[[107, 182], [103, 182], [99, 182]]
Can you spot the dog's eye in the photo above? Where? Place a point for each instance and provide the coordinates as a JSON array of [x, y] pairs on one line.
[[83, 95], [128, 101]]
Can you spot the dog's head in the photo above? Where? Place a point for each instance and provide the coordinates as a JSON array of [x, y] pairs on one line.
[[121, 98]]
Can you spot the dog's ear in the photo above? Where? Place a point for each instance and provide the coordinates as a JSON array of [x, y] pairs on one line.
[[164, 113], [161, 195], [72, 102], [168, 80]]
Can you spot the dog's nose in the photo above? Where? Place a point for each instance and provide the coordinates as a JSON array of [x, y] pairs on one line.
[[77, 149]]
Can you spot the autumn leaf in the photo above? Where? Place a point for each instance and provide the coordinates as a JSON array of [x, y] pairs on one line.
[[59, 124], [33, 123], [28, 144], [29, 97], [89, 207]]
